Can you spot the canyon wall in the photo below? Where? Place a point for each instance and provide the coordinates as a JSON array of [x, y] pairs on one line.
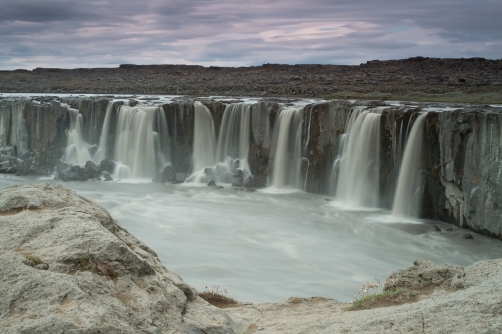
[[461, 158]]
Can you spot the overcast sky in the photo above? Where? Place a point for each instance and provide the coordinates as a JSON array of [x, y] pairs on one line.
[[106, 33]]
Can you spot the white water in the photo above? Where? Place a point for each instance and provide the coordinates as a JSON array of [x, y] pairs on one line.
[[266, 247], [286, 149], [232, 150], [359, 162], [409, 190], [139, 144], [77, 150], [204, 143], [105, 140], [233, 140]]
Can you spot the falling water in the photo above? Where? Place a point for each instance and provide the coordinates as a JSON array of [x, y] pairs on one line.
[[77, 150], [105, 142], [232, 149], [204, 143], [409, 189], [286, 149], [233, 140], [359, 162], [139, 149]]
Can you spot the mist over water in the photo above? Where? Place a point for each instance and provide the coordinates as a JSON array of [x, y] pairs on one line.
[[267, 247], [276, 242]]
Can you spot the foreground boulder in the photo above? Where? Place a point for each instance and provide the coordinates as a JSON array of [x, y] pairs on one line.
[[66, 266]]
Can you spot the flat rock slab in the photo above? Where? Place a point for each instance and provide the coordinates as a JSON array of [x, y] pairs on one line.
[[66, 266]]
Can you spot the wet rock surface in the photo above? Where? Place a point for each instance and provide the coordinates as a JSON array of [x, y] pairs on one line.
[[68, 267]]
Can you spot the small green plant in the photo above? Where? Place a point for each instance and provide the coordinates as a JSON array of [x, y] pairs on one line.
[[217, 297], [371, 296], [35, 260]]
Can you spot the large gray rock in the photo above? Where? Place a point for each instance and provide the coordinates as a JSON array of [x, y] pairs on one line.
[[423, 275], [68, 267]]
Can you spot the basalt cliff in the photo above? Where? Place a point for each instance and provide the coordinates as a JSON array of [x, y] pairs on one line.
[[460, 160]]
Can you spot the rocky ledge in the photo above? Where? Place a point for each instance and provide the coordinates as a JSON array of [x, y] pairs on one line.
[[66, 266]]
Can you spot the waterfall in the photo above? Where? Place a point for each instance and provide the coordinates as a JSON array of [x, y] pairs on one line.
[[139, 142], [232, 150], [204, 143], [77, 150], [233, 140], [105, 140], [409, 190], [359, 160], [286, 149]]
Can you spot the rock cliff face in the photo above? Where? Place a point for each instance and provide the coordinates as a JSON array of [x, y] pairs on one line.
[[461, 158], [68, 267]]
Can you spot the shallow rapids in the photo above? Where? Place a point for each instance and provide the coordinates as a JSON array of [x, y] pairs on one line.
[[269, 245]]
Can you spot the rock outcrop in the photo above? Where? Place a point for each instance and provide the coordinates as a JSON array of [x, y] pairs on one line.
[[456, 300], [68, 267]]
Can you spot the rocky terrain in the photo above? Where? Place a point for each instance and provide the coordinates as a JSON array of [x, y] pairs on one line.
[[451, 300], [66, 266], [419, 78]]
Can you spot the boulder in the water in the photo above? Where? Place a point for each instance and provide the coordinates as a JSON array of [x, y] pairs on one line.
[[239, 174], [468, 236], [180, 178], [107, 165], [91, 170], [212, 183], [107, 176], [168, 174]]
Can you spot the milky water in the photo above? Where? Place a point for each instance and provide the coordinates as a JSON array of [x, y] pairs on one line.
[[268, 246]]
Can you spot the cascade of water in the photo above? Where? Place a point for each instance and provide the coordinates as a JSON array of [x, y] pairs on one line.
[[409, 190], [232, 150], [286, 148], [77, 150], [204, 142], [233, 140], [359, 161], [138, 145], [136, 138], [105, 140]]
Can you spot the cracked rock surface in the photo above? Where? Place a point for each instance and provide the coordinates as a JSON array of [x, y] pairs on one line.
[[66, 266]]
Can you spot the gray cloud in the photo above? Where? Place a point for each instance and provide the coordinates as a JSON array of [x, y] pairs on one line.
[[235, 32]]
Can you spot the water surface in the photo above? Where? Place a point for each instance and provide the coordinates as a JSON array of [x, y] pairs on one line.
[[269, 245]]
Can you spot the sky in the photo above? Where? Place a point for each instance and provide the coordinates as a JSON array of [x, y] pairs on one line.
[[106, 33]]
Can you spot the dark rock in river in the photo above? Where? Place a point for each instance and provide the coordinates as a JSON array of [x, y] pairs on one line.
[[168, 174]]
